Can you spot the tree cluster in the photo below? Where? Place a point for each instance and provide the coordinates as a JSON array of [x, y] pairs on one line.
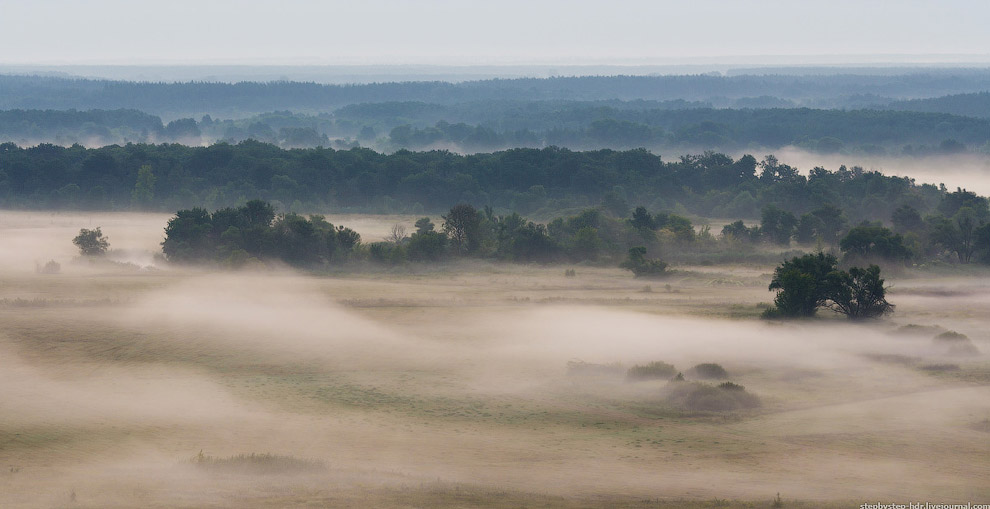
[[806, 283], [958, 229], [253, 232], [234, 236]]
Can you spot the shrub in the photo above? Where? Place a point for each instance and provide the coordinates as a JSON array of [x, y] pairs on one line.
[[91, 242], [709, 371], [701, 397], [641, 267], [258, 464], [954, 343], [655, 370], [52, 267]]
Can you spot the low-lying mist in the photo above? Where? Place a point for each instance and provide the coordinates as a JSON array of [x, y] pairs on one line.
[[32, 238], [968, 171], [387, 382]]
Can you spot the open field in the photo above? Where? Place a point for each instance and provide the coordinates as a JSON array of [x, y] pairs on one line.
[[474, 384]]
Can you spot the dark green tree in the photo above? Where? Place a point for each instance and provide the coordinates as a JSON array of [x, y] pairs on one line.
[[808, 229], [859, 294], [463, 227], [739, 231], [777, 225], [801, 284], [91, 242], [642, 220], [640, 266], [907, 219], [426, 245], [874, 242], [957, 235], [144, 188], [424, 225], [832, 222], [188, 236]]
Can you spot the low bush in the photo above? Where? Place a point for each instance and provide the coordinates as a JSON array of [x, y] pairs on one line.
[[954, 343], [258, 464], [52, 267], [656, 370], [702, 397], [708, 371]]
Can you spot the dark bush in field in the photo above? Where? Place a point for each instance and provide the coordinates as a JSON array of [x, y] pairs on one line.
[[954, 343], [257, 464], [701, 397], [52, 267], [643, 267], [656, 370], [708, 370]]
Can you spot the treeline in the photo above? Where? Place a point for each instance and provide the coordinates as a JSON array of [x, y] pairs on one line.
[[827, 131], [530, 181], [253, 232], [484, 127], [238, 99], [970, 105], [958, 231], [93, 127]]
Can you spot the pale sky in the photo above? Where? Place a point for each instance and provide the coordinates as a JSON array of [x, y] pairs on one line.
[[469, 32]]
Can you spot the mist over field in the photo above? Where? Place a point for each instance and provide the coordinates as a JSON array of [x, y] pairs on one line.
[[128, 387], [971, 172], [395, 254]]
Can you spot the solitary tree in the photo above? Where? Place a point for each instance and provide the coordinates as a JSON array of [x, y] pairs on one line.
[[858, 294], [91, 242]]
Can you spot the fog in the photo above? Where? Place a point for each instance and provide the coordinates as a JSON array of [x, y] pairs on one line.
[[30, 238], [405, 384], [969, 171]]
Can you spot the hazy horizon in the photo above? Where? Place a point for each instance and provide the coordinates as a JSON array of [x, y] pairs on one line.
[[440, 32]]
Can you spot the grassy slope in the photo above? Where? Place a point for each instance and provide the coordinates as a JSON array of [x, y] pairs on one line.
[[133, 395]]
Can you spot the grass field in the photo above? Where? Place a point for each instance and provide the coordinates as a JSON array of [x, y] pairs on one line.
[[475, 384]]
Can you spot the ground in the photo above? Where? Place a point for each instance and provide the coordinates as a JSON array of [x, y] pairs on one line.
[[450, 387]]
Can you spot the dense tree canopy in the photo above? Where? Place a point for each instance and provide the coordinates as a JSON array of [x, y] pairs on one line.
[[523, 180]]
